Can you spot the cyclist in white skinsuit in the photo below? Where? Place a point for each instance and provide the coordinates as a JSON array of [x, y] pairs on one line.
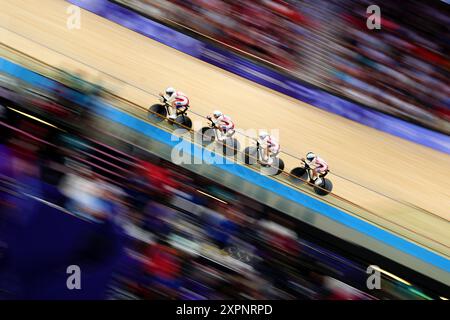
[[269, 146], [176, 99], [223, 124], [318, 165]]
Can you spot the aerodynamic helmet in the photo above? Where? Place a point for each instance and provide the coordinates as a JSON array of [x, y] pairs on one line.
[[263, 135], [310, 157], [217, 114], [170, 91]]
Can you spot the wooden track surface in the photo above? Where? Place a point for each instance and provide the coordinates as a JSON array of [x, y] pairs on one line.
[[389, 165]]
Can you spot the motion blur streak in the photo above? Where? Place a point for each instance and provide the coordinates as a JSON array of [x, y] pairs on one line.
[[34, 118], [391, 275], [211, 196]]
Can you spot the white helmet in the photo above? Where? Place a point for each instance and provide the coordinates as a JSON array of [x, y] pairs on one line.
[[310, 157], [217, 114], [263, 135], [170, 91]]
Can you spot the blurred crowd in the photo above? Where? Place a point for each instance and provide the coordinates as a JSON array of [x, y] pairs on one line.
[[401, 69], [182, 236], [404, 67]]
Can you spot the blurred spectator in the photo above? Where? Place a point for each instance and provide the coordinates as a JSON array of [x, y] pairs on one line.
[[85, 193], [163, 268]]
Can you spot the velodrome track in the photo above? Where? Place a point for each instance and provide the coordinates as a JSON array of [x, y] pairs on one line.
[[384, 163]]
